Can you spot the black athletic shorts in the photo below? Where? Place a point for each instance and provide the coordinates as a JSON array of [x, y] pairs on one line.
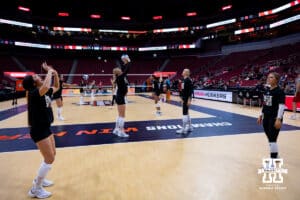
[[57, 97], [120, 100], [185, 108], [39, 133], [157, 93]]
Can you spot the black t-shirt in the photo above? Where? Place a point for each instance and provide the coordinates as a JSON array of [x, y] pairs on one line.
[[186, 88], [157, 86], [39, 108], [272, 99], [59, 91], [122, 81], [125, 67], [82, 84]]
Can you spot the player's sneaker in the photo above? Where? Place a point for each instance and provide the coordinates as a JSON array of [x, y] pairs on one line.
[[61, 118], [116, 131], [190, 129], [122, 134], [39, 193], [269, 167], [182, 131], [46, 183]]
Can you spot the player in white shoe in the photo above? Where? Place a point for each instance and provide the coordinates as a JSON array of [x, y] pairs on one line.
[[157, 87], [57, 96], [296, 98], [40, 117], [186, 98], [120, 79], [272, 112]]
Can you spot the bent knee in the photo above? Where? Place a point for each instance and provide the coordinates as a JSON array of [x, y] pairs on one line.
[[50, 159]]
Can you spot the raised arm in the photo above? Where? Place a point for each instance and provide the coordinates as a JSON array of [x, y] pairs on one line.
[[56, 82], [126, 68], [297, 87], [47, 83]]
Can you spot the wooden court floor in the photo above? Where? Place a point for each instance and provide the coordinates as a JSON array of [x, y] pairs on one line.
[[217, 167]]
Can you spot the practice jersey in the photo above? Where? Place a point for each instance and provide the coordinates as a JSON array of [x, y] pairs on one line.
[[39, 108], [186, 88], [122, 81], [272, 99]]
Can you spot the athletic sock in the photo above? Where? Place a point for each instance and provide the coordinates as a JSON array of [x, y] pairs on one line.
[[59, 111], [42, 173], [273, 149], [189, 121], [121, 122], [117, 123], [184, 121]]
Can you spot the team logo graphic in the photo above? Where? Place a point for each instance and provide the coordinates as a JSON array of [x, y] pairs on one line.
[[272, 171], [48, 101], [268, 100]]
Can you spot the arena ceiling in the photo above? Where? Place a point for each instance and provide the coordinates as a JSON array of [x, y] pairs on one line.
[[140, 11]]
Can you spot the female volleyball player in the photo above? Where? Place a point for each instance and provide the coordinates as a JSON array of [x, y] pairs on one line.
[[113, 90], [57, 96], [125, 66], [126, 62], [120, 79], [186, 98], [272, 112], [296, 98], [40, 117], [157, 86]]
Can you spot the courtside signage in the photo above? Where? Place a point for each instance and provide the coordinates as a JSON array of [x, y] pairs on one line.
[[213, 95]]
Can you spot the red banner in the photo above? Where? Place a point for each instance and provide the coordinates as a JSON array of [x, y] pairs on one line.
[[289, 103], [164, 74], [18, 74], [19, 86]]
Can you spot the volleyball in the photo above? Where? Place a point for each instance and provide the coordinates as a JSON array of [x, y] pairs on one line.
[[85, 77]]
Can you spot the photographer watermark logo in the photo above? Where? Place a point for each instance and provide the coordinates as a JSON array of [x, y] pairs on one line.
[[272, 171]]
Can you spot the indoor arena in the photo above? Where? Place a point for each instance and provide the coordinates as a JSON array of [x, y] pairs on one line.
[[133, 100]]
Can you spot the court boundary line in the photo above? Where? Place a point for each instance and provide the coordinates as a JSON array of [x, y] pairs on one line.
[[147, 141]]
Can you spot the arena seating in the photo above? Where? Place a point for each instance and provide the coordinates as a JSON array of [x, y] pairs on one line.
[[243, 69]]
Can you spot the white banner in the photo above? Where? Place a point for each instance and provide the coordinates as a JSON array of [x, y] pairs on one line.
[[213, 95], [158, 48], [175, 93]]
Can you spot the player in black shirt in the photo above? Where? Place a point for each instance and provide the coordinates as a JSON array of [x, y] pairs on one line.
[[113, 91], [272, 112], [126, 63], [58, 96], [120, 79], [83, 87], [40, 117], [157, 87], [125, 66], [186, 97], [296, 98]]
